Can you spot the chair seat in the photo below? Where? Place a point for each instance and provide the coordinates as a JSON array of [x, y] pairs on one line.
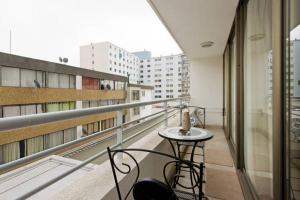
[[152, 189]]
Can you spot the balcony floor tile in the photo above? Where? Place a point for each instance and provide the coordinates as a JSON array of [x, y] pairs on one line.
[[220, 174]]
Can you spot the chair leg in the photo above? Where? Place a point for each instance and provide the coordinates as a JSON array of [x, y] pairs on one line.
[[204, 168]]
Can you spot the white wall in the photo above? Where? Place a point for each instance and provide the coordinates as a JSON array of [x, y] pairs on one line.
[[146, 110], [207, 87]]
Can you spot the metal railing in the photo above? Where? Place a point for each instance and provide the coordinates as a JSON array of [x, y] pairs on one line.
[[11, 123]]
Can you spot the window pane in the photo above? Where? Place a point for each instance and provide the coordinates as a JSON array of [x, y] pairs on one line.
[[90, 128], [27, 78], [52, 107], [96, 127], [40, 108], [85, 104], [64, 81], [94, 103], [34, 145], [72, 81], [107, 123], [69, 135], [53, 139], [85, 129], [40, 77], [11, 111], [103, 125], [52, 80], [65, 106], [10, 152], [103, 103], [10, 76], [28, 110], [72, 105], [258, 96]]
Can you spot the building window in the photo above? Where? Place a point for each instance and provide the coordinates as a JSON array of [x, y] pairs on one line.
[[135, 95], [136, 111], [10, 152], [53, 139], [72, 81], [11, 111], [10, 76], [34, 145], [27, 78], [64, 81], [90, 83], [52, 80]]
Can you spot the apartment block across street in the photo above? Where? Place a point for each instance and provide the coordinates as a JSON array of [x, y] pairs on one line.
[[165, 73]]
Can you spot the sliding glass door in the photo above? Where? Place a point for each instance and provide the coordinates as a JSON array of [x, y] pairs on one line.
[[257, 66]]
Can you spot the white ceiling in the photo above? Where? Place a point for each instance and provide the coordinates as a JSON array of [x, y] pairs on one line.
[[192, 22]]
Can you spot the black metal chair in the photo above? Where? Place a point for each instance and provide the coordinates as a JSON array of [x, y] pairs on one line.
[[153, 189]]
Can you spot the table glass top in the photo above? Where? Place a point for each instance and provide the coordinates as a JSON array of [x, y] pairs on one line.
[[193, 134]]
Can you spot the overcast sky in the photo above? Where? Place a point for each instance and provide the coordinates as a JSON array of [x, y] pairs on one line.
[[47, 29]]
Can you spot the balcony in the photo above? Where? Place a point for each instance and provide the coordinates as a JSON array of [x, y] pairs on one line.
[[85, 173], [243, 68]]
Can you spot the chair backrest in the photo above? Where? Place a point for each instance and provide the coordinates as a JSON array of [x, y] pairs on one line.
[[196, 171]]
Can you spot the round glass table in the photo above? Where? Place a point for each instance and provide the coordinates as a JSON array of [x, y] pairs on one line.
[[192, 138], [194, 135]]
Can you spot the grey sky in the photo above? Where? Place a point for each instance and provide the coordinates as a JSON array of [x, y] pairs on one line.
[[47, 29]]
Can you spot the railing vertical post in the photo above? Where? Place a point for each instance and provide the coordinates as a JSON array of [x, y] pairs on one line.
[[120, 130], [166, 113], [180, 107]]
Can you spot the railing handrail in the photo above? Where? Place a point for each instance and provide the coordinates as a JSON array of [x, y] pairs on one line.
[[77, 167], [10, 123]]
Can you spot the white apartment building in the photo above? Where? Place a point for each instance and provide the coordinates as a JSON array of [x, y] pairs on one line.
[[164, 73], [109, 58]]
